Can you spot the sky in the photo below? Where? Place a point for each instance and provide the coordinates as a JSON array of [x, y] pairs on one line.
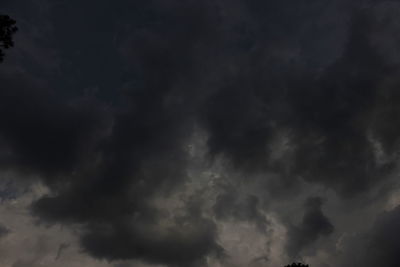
[[213, 133]]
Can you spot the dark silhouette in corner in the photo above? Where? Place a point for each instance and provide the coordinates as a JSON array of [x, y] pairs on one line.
[[297, 265], [7, 30]]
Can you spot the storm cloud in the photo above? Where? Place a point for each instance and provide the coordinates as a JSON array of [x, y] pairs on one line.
[[313, 225], [158, 127]]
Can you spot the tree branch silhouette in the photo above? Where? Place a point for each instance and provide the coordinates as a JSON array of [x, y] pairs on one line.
[[298, 264], [7, 30]]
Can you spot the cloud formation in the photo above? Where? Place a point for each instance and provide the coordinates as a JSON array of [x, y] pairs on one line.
[[160, 124], [313, 225]]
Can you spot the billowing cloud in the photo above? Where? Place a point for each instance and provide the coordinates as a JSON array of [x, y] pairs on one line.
[[158, 128], [313, 226]]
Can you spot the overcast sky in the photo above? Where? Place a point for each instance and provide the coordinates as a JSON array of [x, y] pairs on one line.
[[187, 133]]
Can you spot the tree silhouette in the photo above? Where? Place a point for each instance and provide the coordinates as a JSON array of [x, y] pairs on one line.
[[7, 29], [297, 265]]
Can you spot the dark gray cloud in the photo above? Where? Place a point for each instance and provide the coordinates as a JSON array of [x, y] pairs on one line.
[[291, 93], [377, 246], [313, 225], [3, 231], [40, 132], [328, 115], [228, 206], [143, 156]]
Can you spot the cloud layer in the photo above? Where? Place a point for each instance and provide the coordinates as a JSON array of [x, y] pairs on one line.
[[158, 127]]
